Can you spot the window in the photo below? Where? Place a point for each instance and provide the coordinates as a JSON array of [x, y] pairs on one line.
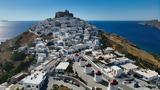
[[37, 86], [28, 86]]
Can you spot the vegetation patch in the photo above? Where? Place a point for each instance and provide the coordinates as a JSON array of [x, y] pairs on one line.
[[18, 56]]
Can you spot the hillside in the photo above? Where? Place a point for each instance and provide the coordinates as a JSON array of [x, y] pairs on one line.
[[142, 57], [50, 26], [9, 67]]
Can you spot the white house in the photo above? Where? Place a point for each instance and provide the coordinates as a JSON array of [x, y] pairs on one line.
[[113, 85], [41, 57], [63, 52], [116, 71], [34, 81], [60, 43], [96, 44], [147, 75], [98, 76], [82, 62], [79, 47], [61, 67], [76, 57], [129, 67], [88, 69], [108, 50], [121, 61], [41, 47]]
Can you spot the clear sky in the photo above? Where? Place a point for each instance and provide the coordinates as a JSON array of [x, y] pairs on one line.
[[85, 9]]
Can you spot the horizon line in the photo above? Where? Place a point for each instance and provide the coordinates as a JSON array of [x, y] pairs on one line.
[[90, 20]]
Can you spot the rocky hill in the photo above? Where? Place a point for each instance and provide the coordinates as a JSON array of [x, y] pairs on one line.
[[66, 20]]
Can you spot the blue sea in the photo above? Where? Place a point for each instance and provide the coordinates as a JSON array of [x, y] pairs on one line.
[[145, 37], [10, 29]]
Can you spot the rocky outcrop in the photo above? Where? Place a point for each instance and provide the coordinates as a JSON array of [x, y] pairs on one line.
[[153, 23], [66, 13]]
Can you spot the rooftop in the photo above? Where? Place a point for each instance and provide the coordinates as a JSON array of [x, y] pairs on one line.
[[63, 65], [147, 73], [115, 67], [129, 66], [35, 78]]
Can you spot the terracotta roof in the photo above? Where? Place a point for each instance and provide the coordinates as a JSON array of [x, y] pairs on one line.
[[88, 65], [98, 73], [114, 82]]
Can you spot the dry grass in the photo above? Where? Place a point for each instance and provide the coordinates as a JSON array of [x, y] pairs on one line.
[[116, 41]]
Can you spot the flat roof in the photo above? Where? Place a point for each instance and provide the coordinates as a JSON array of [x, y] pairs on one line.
[[129, 66], [108, 56], [115, 67], [35, 78], [109, 49], [121, 59], [147, 73], [62, 65]]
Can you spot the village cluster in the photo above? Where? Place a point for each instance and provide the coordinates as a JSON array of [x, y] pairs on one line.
[[76, 45]]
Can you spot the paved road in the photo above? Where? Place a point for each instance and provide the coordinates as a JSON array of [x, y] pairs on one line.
[[89, 59], [50, 66], [88, 78]]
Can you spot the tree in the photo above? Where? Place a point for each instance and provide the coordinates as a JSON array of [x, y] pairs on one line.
[[17, 56], [7, 66]]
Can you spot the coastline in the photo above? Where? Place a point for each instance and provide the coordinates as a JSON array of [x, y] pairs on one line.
[[122, 45], [115, 41], [152, 23]]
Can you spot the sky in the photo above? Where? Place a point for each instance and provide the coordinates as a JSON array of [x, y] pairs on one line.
[[18, 10]]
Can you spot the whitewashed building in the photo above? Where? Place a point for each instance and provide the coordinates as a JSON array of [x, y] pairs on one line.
[[98, 76], [76, 57], [113, 85], [34, 81], [82, 62], [147, 75], [61, 67], [129, 67], [116, 71], [88, 69]]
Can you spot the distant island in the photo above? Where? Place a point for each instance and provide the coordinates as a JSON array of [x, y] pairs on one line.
[[3, 20], [153, 23]]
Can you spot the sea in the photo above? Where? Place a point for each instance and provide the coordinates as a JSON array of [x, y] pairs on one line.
[[143, 36]]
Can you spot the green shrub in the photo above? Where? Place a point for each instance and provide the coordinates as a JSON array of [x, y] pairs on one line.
[[18, 56], [7, 66]]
